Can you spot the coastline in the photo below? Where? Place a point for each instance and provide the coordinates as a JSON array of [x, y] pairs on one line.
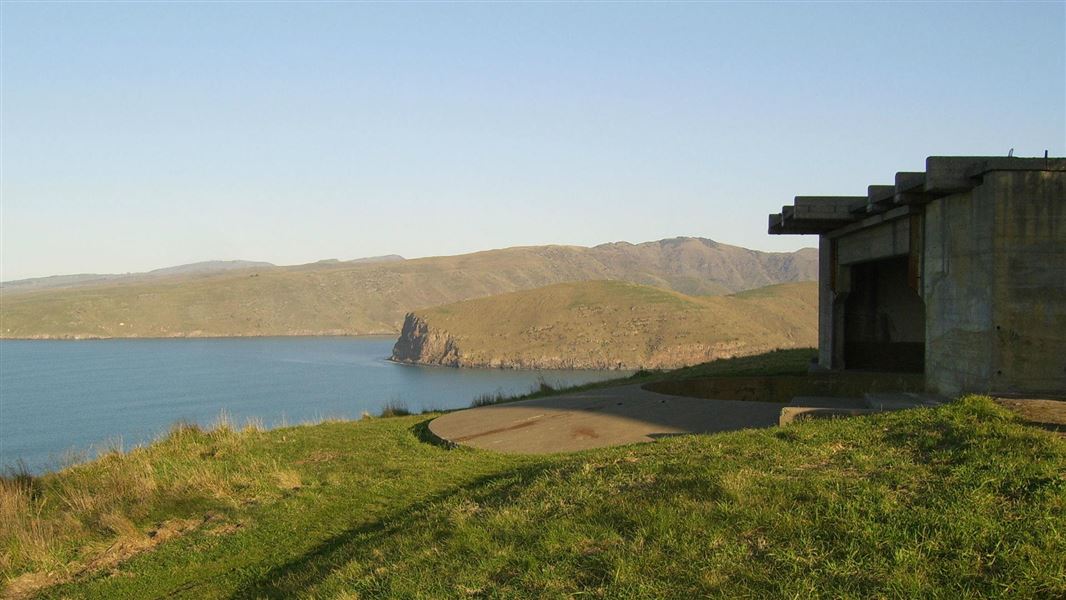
[[509, 366], [193, 336]]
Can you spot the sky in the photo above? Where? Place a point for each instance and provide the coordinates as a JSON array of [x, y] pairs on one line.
[[141, 135]]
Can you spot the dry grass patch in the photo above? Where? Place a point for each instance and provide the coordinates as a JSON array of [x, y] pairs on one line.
[[93, 516], [288, 480]]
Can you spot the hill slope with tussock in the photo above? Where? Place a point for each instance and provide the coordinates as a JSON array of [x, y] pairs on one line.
[[609, 325], [352, 298]]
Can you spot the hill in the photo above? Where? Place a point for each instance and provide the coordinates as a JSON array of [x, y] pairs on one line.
[[609, 325], [352, 298], [210, 266], [17, 286], [964, 500], [93, 279]]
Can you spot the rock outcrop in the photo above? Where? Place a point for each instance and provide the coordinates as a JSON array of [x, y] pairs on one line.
[[420, 344]]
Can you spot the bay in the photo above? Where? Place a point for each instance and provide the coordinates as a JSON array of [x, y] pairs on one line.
[[64, 401]]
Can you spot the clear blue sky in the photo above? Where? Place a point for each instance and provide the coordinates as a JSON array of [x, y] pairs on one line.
[[141, 135]]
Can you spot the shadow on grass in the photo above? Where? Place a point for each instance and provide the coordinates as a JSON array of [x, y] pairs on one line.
[[775, 362], [1059, 428], [424, 434], [301, 573]]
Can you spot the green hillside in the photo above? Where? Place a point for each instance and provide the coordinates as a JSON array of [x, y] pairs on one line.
[[336, 298], [608, 325], [961, 501]]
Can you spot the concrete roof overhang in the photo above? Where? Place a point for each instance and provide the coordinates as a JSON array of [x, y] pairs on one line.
[[943, 175]]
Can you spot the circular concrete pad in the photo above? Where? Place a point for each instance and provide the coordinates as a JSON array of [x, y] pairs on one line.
[[596, 418]]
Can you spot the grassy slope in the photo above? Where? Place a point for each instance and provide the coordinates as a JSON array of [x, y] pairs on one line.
[[612, 323], [359, 298], [953, 502]]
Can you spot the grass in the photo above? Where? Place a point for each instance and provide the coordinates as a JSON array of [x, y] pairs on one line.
[[492, 398], [395, 408], [59, 522], [66, 522], [959, 501], [939, 503]]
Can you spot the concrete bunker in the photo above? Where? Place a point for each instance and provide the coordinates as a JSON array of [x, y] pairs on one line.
[[884, 319], [957, 272]]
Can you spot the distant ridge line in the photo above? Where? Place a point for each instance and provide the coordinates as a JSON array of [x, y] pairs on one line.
[[224, 299]]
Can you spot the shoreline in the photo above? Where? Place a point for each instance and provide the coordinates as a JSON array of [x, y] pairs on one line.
[[186, 337], [502, 367]]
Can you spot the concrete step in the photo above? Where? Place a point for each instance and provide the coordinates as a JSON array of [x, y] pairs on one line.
[[902, 400], [824, 407], [802, 408], [827, 402]]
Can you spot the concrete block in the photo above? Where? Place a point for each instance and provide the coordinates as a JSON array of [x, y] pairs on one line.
[[794, 414], [910, 181], [883, 241], [902, 400], [802, 408], [950, 174], [830, 206], [910, 188], [1014, 163], [880, 197], [826, 402]]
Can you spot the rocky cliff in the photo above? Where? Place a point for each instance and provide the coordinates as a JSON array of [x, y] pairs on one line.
[[422, 345]]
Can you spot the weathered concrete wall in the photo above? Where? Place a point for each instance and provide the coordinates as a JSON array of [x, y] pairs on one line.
[[825, 302], [995, 286], [957, 288], [1029, 271]]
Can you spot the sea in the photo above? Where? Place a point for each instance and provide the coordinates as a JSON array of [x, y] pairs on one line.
[[63, 402]]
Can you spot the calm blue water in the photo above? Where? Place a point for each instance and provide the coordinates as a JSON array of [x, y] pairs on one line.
[[64, 397]]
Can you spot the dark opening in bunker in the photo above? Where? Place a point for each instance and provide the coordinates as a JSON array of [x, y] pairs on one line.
[[884, 318]]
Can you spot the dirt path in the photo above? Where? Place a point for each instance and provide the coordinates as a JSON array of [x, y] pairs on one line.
[[597, 418]]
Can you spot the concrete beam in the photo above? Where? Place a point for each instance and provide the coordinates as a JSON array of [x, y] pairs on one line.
[[779, 224], [884, 240], [879, 198], [910, 181], [828, 207], [815, 214], [896, 213], [1015, 164], [773, 227], [950, 174], [839, 215], [881, 195], [910, 187]]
